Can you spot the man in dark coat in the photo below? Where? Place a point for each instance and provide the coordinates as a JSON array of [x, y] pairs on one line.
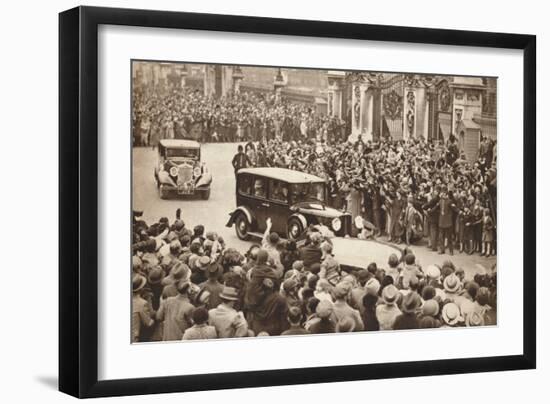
[[267, 309], [240, 160], [432, 210], [446, 209]]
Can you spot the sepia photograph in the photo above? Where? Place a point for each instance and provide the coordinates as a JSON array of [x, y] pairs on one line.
[[278, 201]]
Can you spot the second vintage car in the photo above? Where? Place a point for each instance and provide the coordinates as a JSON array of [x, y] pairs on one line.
[[180, 170], [292, 199]]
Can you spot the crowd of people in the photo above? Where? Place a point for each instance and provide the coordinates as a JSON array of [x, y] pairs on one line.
[[188, 284], [183, 113], [406, 190]]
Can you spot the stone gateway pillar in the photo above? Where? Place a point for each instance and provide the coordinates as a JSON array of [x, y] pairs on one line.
[[335, 93], [278, 84], [237, 79]]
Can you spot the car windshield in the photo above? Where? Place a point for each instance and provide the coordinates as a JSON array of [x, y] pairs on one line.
[[311, 191], [185, 153]]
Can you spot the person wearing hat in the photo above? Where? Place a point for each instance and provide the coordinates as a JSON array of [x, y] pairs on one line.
[[212, 285], [179, 272], [409, 270], [431, 208], [176, 313], [154, 281], [453, 289], [200, 274], [200, 328], [451, 316], [323, 322], [342, 309], [142, 312], [412, 221], [482, 305], [270, 241], [358, 291], [311, 252], [430, 308], [446, 212], [474, 319], [408, 319], [330, 268], [393, 267], [228, 322], [387, 312], [295, 321], [368, 315], [256, 287]]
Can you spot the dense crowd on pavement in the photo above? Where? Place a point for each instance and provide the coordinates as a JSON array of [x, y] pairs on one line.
[[236, 117], [188, 284]]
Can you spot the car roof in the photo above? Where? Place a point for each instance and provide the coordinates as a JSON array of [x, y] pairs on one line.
[[180, 144], [282, 174]]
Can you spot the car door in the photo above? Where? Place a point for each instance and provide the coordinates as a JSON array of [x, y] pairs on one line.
[[278, 209], [259, 202]]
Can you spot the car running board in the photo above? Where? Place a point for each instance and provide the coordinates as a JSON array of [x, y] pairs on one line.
[[255, 234]]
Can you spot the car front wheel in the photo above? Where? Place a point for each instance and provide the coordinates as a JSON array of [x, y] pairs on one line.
[[294, 229], [242, 226]]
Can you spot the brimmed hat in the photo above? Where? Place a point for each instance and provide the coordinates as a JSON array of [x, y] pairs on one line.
[[298, 265], [451, 314], [290, 284], [390, 294], [372, 286], [324, 309], [430, 308], [229, 293], [433, 271], [451, 283], [203, 262], [138, 282], [213, 268], [341, 290], [411, 302], [363, 275], [474, 319], [155, 276], [136, 262]]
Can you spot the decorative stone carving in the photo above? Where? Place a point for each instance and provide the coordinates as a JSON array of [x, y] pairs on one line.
[[444, 98], [393, 105], [458, 117], [410, 115]]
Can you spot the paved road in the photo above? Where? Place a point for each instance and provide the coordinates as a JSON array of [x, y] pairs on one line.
[[213, 213]]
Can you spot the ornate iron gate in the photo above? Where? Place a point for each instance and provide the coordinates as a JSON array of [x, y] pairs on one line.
[[391, 103]]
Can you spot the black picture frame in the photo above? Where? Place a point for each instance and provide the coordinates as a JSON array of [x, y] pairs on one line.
[[78, 200]]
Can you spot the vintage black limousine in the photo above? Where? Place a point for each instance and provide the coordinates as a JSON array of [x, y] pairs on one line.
[[292, 199]]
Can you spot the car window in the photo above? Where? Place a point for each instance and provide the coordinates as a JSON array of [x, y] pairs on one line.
[[245, 184], [259, 188], [307, 192], [278, 191]]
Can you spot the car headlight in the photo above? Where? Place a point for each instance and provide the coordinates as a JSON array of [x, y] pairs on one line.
[[197, 171], [336, 224], [174, 171]]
